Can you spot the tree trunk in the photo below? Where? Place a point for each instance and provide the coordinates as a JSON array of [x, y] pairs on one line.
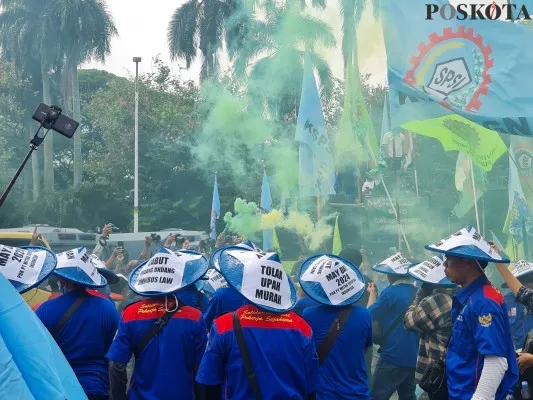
[[27, 184], [49, 140], [35, 168], [75, 85]]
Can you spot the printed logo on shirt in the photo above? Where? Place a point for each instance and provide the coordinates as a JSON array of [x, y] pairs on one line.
[[485, 320], [512, 312]]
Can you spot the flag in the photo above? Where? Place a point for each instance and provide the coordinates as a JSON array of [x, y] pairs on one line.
[[316, 169], [519, 210], [337, 243], [521, 149], [457, 133], [497, 242], [215, 210], [463, 183], [409, 148], [266, 207], [477, 69], [275, 243]]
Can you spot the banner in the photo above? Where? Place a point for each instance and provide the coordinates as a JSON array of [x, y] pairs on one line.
[[463, 183], [477, 69]]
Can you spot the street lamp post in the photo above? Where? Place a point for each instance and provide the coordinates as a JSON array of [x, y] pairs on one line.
[[136, 60]]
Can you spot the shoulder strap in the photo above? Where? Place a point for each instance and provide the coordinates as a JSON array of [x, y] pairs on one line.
[[70, 311], [200, 300], [245, 354], [156, 330], [400, 317], [334, 331]]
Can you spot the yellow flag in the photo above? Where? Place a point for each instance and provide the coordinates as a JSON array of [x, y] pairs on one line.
[[337, 243]]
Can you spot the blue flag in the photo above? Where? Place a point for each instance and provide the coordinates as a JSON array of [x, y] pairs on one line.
[[316, 169], [266, 207], [215, 211], [479, 69]]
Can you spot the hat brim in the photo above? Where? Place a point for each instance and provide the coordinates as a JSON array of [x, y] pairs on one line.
[[385, 269], [77, 276], [194, 274], [233, 270], [469, 252], [110, 276], [47, 270], [446, 283], [215, 257], [315, 291]]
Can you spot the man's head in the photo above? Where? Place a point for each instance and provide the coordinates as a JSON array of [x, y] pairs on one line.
[[463, 271], [352, 254]]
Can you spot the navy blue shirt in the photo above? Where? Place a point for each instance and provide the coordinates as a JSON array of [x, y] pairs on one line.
[[191, 297], [86, 336], [519, 318], [401, 346], [304, 302], [165, 368], [224, 300], [481, 328], [343, 373], [282, 351]]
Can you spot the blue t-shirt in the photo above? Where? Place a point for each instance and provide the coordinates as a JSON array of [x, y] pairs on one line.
[[480, 328], [165, 368], [401, 346], [224, 300], [343, 374], [86, 336], [190, 296], [519, 318], [282, 351], [304, 302]]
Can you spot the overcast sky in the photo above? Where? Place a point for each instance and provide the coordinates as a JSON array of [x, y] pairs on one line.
[[142, 28]]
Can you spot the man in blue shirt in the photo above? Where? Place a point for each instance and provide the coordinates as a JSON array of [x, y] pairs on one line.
[[481, 361], [225, 300], [85, 337], [343, 373], [279, 343], [395, 371], [166, 337]]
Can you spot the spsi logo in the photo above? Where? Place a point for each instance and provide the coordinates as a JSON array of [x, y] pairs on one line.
[[452, 68]]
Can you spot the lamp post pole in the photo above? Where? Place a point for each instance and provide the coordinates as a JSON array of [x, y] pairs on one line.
[[136, 60]]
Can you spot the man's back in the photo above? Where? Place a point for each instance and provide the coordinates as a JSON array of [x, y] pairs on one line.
[[165, 367], [401, 346], [224, 300], [86, 336], [281, 349], [343, 373]]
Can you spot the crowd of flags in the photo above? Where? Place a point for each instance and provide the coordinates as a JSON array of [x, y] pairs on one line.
[[497, 99]]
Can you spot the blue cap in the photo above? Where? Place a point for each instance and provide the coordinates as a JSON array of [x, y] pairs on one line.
[[167, 272], [396, 265], [259, 277], [110, 276], [214, 281], [26, 267], [247, 245], [75, 266], [469, 244], [331, 280], [431, 271]]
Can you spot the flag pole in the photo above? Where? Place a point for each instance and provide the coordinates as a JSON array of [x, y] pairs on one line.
[[414, 164], [474, 190]]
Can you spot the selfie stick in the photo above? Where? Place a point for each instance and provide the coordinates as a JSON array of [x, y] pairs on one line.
[[49, 120]]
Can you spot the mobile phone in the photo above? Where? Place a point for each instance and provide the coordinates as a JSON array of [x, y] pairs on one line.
[[62, 124], [120, 244]]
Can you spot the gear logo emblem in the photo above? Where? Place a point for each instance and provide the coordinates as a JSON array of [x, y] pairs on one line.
[[453, 67]]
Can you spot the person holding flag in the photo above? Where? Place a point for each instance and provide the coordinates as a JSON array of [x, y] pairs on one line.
[[480, 361]]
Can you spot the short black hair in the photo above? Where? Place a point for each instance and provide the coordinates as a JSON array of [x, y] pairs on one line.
[[352, 254]]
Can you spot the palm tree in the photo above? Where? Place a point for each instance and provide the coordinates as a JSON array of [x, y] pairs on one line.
[[351, 12], [274, 52], [86, 29], [27, 38]]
